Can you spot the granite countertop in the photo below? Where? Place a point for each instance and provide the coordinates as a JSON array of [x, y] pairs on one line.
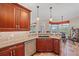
[[56, 36], [5, 43], [23, 37]]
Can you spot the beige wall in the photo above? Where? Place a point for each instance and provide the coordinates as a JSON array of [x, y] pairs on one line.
[[74, 22]]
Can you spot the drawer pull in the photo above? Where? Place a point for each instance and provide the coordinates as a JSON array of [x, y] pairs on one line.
[[13, 52]]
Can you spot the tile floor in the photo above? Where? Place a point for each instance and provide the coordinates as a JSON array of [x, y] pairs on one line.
[[67, 49], [45, 54]]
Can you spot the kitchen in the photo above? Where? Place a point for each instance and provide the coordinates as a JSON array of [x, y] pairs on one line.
[[34, 29]]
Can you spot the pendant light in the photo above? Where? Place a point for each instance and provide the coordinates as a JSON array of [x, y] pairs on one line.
[[37, 20], [37, 13], [62, 20], [50, 14]]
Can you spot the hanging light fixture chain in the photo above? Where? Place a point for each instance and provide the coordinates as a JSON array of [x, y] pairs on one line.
[[50, 12], [37, 11]]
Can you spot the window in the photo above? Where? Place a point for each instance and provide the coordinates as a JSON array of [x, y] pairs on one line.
[[59, 28]]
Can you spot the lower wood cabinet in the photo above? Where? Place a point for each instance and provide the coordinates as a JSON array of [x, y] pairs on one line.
[[6, 53], [40, 45], [48, 45], [19, 50], [56, 46], [14, 50], [43, 45]]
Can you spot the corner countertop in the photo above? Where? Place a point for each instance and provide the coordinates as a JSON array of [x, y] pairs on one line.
[[55, 36], [15, 38], [5, 43]]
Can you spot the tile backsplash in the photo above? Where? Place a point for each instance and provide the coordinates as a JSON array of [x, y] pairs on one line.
[[13, 35]]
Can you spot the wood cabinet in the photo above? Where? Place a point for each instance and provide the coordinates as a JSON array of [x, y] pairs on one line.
[[44, 44], [56, 44], [48, 45], [40, 45], [17, 17], [24, 21], [7, 16], [19, 50], [14, 17], [14, 50], [6, 53]]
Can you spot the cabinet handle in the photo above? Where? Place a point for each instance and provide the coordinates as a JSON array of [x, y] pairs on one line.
[[17, 26], [13, 52]]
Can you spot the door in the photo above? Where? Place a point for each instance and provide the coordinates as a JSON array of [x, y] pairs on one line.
[[49, 45], [57, 46], [6, 53], [40, 44], [25, 20], [17, 17], [19, 50], [7, 17]]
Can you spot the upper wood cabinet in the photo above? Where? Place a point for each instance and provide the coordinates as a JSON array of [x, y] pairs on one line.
[[14, 17], [7, 19], [24, 21]]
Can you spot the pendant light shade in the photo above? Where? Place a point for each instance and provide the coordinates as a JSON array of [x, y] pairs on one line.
[[37, 13], [50, 19], [50, 14], [37, 18]]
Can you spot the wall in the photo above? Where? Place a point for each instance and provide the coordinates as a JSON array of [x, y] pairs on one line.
[[74, 22]]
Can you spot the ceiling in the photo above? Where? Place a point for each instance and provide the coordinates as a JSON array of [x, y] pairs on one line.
[[67, 10]]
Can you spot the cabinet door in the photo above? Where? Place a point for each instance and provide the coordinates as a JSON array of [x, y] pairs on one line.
[[6, 53], [57, 46], [7, 16], [17, 17], [19, 50], [49, 45], [28, 22], [1, 16], [41, 45], [25, 20]]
